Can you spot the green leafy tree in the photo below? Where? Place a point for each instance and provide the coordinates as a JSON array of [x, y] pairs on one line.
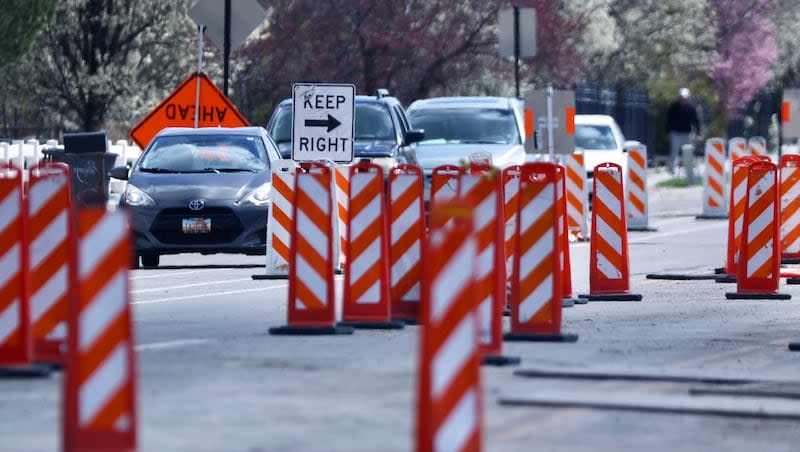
[[20, 20]]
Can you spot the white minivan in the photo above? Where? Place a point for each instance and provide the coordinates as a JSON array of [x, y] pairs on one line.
[[600, 139]]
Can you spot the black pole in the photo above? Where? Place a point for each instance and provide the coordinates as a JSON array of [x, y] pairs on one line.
[[227, 46], [516, 49]]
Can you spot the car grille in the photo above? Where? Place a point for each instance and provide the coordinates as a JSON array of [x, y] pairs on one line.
[[225, 226]]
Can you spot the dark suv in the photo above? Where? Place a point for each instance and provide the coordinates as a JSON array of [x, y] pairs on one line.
[[382, 131]]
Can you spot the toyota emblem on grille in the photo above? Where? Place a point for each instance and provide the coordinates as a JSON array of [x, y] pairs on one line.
[[196, 204]]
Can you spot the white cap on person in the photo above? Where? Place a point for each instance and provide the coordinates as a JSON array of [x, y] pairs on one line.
[[684, 92]]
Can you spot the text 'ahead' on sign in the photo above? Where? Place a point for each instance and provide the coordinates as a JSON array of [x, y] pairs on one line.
[[178, 110], [322, 122]]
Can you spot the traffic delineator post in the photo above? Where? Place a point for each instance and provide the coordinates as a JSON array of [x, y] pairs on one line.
[[759, 264], [714, 184], [577, 198], [737, 149], [366, 271], [342, 184], [563, 231], [757, 146], [444, 187], [311, 304], [449, 397], [609, 265], [99, 409], [480, 187], [407, 241], [279, 220], [637, 207], [51, 246], [536, 301], [790, 208], [510, 208], [735, 219]]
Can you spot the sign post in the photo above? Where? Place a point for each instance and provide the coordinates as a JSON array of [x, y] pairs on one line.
[[322, 122], [516, 28]]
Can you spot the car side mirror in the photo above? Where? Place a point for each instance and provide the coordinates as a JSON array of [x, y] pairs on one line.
[[119, 172], [414, 136]]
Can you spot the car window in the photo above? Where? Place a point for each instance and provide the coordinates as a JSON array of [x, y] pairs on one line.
[[595, 137], [205, 153], [282, 128], [373, 122], [466, 125]]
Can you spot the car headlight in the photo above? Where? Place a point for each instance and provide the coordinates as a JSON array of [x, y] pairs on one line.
[[136, 197], [256, 197]]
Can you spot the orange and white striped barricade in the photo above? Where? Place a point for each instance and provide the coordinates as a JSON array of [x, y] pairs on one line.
[[407, 237], [312, 305], [566, 266], [342, 184], [636, 201], [577, 198], [737, 149], [609, 264], [16, 343], [444, 187], [790, 208], [736, 209], [760, 256], [510, 208], [449, 397], [536, 301], [279, 220], [480, 187], [757, 146], [100, 379], [366, 272], [50, 251], [714, 202]]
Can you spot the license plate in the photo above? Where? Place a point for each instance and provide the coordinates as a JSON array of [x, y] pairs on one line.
[[196, 225]]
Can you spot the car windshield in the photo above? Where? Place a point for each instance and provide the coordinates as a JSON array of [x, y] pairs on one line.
[[595, 137], [466, 125], [205, 153], [372, 123]]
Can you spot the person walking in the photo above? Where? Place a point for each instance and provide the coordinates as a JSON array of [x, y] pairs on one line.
[[682, 122]]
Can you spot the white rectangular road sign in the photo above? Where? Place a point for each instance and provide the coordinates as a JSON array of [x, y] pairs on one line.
[[563, 121], [322, 122]]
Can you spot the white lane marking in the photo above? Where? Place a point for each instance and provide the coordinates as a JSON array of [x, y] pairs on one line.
[[164, 275], [186, 286], [170, 344], [212, 294]]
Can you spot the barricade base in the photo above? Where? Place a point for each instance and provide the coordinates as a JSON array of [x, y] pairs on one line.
[[790, 260], [681, 277], [794, 346], [792, 280], [581, 300], [370, 325], [711, 217], [532, 337], [261, 277], [501, 360], [642, 229], [48, 352], [611, 296], [757, 296], [567, 302], [288, 330], [32, 371], [725, 279], [406, 320]]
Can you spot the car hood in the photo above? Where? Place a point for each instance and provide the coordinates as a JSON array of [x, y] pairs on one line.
[[432, 155], [592, 158], [360, 149], [208, 186]]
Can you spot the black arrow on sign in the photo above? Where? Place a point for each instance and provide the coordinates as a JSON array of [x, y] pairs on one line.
[[331, 123]]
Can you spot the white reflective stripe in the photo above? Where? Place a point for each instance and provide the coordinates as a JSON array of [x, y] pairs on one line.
[[485, 318], [362, 263], [786, 173], [9, 264], [790, 223], [401, 184], [409, 218], [413, 293], [43, 191], [763, 185], [532, 258], [48, 240], [450, 281], [763, 221], [573, 188], [409, 259], [44, 298], [452, 355], [312, 234], [533, 210], [485, 213], [794, 247], [9, 320], [468, 182], [372, 295], [607, 268], [459, 425], [280, 232], [737, 226], [311, 279], [9, 209], [760, 258], [308, 184], [446, 191], [534, 302], [103, 384], [511, 189], [104, 308], [365, 218], [59, 332], [740, 190], [484, 264], [359, 181], [609, 200], [104, 236], [609, 235], [638, 191]]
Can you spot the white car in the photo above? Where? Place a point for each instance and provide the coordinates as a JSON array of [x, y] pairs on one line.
[[456, 127], [601, 140]]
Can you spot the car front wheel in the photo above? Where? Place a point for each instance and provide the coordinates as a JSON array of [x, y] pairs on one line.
[[150, 260]]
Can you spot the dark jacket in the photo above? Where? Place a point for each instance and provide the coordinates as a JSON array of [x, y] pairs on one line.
[[682, 118]]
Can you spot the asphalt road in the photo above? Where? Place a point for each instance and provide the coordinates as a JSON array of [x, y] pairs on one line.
[[212, 379]]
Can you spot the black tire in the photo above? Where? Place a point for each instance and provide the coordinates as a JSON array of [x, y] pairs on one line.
[[150, 260]]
